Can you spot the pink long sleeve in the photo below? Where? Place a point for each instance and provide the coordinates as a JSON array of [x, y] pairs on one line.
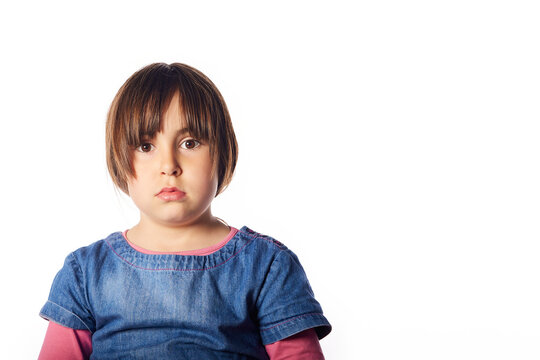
[[302, 346], [62, 343]]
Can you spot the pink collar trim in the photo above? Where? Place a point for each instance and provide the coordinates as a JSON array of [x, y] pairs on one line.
[[197, 252]]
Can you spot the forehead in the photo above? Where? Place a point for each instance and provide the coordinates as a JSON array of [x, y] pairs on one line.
[[173, 117], [165, 118]]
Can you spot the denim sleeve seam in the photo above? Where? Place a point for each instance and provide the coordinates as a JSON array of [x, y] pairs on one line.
[[289, 320], [83, 277], [273, 241], [66, 310], [264, 283]]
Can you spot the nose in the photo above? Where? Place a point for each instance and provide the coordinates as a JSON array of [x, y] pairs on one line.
[[169, 164]]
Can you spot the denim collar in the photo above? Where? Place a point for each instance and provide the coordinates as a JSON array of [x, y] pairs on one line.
[[170, 262]]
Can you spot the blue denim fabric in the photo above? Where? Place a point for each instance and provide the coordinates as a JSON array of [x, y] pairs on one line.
[[226, 305]]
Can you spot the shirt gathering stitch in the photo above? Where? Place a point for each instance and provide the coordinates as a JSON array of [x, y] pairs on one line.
[[122, 250], [173, 269]]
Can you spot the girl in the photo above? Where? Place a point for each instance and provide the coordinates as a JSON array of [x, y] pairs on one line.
[[181, 284]]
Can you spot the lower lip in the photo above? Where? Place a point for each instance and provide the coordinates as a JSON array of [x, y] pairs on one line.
[[171, 195]]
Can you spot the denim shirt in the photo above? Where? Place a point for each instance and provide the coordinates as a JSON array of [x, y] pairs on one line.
[[225, 305]]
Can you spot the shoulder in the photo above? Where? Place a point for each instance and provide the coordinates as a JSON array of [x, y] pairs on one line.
[[96, 251], [261, 239], [263, 243], [267, 250]]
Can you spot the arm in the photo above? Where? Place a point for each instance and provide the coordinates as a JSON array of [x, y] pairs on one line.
[[286, 304], [62, 343], [302, 346]]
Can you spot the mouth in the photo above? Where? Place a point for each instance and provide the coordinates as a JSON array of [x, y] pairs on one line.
[[168, 190], [171, 194]]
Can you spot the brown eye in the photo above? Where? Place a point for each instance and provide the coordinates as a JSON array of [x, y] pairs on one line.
[[146, 147], [190, 144]]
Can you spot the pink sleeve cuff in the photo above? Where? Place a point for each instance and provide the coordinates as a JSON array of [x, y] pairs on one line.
[[63, 343], [302, 346]]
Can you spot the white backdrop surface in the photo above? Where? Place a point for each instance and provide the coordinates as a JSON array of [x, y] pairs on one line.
[[392, 145]]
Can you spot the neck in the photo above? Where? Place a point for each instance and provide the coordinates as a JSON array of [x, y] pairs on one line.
[[205, 232]]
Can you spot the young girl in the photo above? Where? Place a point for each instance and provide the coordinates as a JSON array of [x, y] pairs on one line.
[[181, 284]]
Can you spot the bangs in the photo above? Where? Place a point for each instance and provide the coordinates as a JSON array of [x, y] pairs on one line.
[[147, 98]]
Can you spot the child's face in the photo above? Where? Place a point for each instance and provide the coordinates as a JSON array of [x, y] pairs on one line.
[[173, 159]]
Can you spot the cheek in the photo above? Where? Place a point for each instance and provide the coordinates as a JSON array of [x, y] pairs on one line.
[[133, 186], [206, 183], [212, 187]]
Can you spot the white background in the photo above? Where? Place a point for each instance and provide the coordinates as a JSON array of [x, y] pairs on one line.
[[393, 145]]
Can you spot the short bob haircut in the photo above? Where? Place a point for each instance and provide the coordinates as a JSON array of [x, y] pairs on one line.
[[137, 112]]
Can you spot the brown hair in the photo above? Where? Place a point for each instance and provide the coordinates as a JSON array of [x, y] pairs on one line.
[[138, 108]]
